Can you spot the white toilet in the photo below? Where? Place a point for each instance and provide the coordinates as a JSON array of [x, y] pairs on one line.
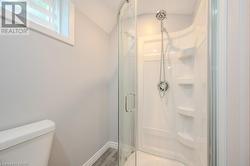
[[27, 145]]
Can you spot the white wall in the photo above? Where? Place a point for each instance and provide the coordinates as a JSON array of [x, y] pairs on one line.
[[42, 78]]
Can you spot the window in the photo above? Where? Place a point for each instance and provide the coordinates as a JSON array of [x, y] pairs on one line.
[[45, 13], [52, 17]]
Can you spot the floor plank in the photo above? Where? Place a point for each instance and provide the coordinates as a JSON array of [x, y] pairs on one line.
[[109, 158]]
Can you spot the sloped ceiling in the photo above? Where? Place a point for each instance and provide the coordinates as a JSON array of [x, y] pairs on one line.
[[104, 12]]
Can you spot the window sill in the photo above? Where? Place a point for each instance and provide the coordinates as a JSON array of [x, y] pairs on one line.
[[52, 34]]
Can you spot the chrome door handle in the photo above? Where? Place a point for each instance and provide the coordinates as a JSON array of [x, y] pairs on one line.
[[130, 102]]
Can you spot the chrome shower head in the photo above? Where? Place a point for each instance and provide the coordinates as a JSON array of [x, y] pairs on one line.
[[161, 15]]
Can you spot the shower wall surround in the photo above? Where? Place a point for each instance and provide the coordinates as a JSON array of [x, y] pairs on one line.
[[148, 20], [176, 126]]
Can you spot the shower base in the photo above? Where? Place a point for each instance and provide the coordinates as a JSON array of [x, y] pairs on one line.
[[145, 159]]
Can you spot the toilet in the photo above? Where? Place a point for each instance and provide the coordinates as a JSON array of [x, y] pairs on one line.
[[27, 145]]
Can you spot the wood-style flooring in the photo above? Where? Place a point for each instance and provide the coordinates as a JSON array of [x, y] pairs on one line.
[[109, 158]]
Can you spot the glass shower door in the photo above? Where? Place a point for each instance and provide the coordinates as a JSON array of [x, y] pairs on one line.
[[127, 83]]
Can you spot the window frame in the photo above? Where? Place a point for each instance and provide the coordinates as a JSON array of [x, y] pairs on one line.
[[69, 39]]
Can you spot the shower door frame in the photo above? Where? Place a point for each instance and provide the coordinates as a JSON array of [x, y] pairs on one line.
[[124, 2], [217, 82]]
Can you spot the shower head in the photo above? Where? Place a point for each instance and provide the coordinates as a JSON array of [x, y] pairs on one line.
[[161, 15]]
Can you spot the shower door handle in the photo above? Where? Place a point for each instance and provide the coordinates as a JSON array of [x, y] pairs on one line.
[[130, 102]]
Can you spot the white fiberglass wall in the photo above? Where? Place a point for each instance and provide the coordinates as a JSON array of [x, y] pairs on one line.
[[175, 126]]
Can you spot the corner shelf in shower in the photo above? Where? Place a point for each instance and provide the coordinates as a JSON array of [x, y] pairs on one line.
[[185, 111], [187, 53], [185, 81], [186, 140]]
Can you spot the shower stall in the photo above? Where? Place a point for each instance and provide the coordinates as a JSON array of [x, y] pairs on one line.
[[163, 83]]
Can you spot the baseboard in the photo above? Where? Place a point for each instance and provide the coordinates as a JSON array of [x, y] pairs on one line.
[[100, 152], [113, 145]]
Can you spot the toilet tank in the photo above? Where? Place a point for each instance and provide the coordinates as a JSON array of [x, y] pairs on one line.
[[27, 145]]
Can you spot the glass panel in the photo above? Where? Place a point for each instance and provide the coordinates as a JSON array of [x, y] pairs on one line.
[[127, 83], [172, 82]]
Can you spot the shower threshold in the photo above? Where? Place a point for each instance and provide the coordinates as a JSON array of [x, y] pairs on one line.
[[145, 159]]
